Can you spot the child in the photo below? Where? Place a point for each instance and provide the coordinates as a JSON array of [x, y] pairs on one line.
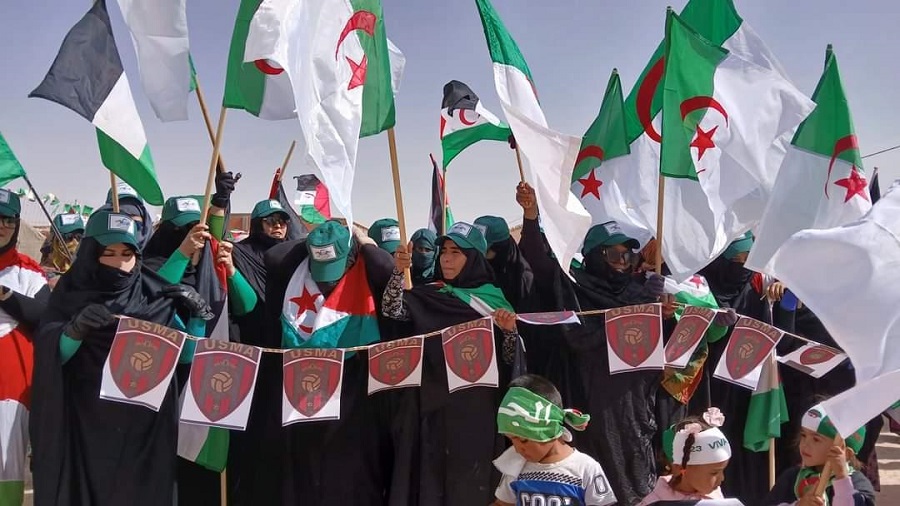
[[699, 454], [541, 468], [847, 486]]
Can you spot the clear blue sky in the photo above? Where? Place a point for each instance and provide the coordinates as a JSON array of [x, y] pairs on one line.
[[571, 47]]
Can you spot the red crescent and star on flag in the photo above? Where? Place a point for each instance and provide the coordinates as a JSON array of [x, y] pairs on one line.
[[855, 183], [704, 138], [590, 184], [305, 303], [360, 20]]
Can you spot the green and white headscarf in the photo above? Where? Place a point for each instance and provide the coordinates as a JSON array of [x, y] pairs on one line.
[[527, 415]]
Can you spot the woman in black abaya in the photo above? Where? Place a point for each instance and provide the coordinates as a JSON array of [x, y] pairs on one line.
[[451, 453], [89, 451]]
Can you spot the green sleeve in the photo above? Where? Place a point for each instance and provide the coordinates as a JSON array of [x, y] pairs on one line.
[[173, 270], [715, 332], [241, 297], [67, 347], [216, 226], [196, 328]]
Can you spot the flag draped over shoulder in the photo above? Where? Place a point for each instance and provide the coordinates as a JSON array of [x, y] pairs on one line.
[[465, 121], [721, 116], [160, 34], [10, 168], [88, 78], [337, 58], [821, 183], [856, 301], [548, 157]]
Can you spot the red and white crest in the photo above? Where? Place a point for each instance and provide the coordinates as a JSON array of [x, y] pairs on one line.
[[395, 364], [222, 380], [469, 355], [634, 338], [312, 385], [688, 334]]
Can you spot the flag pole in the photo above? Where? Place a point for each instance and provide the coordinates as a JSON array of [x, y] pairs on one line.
[[774, 371], [398, 196], [223, 487], [661, 195], [519, 162], [287, 159], [825, 477], [114, 195], [213, 163], [55, 231], [207, 120]]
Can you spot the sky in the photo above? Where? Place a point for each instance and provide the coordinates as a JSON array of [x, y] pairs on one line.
[[571, 47]]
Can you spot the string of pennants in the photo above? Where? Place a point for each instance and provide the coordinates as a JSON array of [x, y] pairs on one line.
[[219, 391]]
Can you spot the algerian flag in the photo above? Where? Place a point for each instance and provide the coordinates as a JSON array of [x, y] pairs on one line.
[[721, 116], [159, 32], [767, 411], [720, 24], [87, 77], [10, 168], [548, 157], [259, 87], [464, 121], [603, 149], [821, 184], [337, 58], [849, 276]]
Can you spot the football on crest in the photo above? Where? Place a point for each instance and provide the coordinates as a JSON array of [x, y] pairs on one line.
[[141, 361], [311, 382], [469, 352], [746, 350], [221, 381], [633, 336], [394, 364]]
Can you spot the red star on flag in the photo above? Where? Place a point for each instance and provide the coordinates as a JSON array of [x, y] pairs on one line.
[[855, 185], [704, 141], [696, 281], [591, 185], [306, 302], [359, 72]]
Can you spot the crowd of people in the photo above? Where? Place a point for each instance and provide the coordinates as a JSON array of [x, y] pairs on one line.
[[640, 437]]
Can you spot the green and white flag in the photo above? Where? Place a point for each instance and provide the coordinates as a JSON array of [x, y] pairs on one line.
[[767, 411], [822, 183], [465, 121], [548, 157], [721, 116], [88, 78], [10, 168]]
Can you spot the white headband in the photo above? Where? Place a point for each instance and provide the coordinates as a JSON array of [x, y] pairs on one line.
[[710, 446]]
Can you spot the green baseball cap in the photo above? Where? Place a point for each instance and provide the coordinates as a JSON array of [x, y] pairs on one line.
[[494, 228], [742, 245], [125, 191], [465, 236], [328, 246], [68, 223], [265, 208], [181, 210], [9, 203], [816, 420], [107, 227], [386, 234], [607, 234]]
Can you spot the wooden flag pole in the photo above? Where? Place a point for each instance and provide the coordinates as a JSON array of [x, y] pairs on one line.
[[825, 477], [223, 487], [774, 370], [287, 159], [114, 195], [213, 163], [53, 229], [519, 162], [398, 197], [661, 196], [207, 120]]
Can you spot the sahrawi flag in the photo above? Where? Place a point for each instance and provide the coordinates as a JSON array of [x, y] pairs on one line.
[[465, 121], [603, 149], [767, 410], [204, 445], [440, 217], [721, 116], [862, 262], [338, 60], [344, 319], [87, 77], [548, 156], [159, 32], [10, 168], [720, 24], [821, 183]]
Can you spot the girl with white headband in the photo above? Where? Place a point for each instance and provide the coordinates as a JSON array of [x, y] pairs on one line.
[[698, 452]]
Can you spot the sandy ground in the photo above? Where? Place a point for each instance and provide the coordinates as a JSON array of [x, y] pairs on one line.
[[888, 464]]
